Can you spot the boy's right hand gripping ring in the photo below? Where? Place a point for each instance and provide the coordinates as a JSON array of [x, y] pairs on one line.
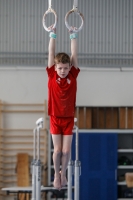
[[44, 21]]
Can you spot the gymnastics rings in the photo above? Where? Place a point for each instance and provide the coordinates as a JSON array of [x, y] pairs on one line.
[[50, 10], [75, 9]]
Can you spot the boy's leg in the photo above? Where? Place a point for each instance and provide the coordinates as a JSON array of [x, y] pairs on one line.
[[57, 159], [66, 150]]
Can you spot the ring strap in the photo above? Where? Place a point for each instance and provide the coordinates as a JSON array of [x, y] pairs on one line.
[[50, 4], [75, 4]]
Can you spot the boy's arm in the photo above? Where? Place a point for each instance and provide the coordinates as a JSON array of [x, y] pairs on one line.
[[74, 52], [51, 52], [51, 47]]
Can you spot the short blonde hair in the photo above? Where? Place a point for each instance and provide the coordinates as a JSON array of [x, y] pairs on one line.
[[62, 58]]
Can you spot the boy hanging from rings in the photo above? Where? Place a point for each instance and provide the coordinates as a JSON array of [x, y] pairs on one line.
[[62, 73]]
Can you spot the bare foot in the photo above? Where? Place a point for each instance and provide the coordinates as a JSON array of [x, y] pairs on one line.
[[57, 182], [63, 180]]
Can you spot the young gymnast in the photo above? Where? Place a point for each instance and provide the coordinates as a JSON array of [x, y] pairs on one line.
[[62, 72]]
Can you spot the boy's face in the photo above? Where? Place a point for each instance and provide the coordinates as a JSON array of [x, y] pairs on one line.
[[62, 69]]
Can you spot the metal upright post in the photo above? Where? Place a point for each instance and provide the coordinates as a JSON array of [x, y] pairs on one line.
[[77, 167], [39, 123], [70, 173], [38, 167], [33, 167], [36, 163]]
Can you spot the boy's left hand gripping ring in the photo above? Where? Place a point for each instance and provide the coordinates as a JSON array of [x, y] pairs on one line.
[[43, 20]]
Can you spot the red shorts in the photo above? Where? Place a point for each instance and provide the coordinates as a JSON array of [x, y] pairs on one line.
[[61, 125]]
